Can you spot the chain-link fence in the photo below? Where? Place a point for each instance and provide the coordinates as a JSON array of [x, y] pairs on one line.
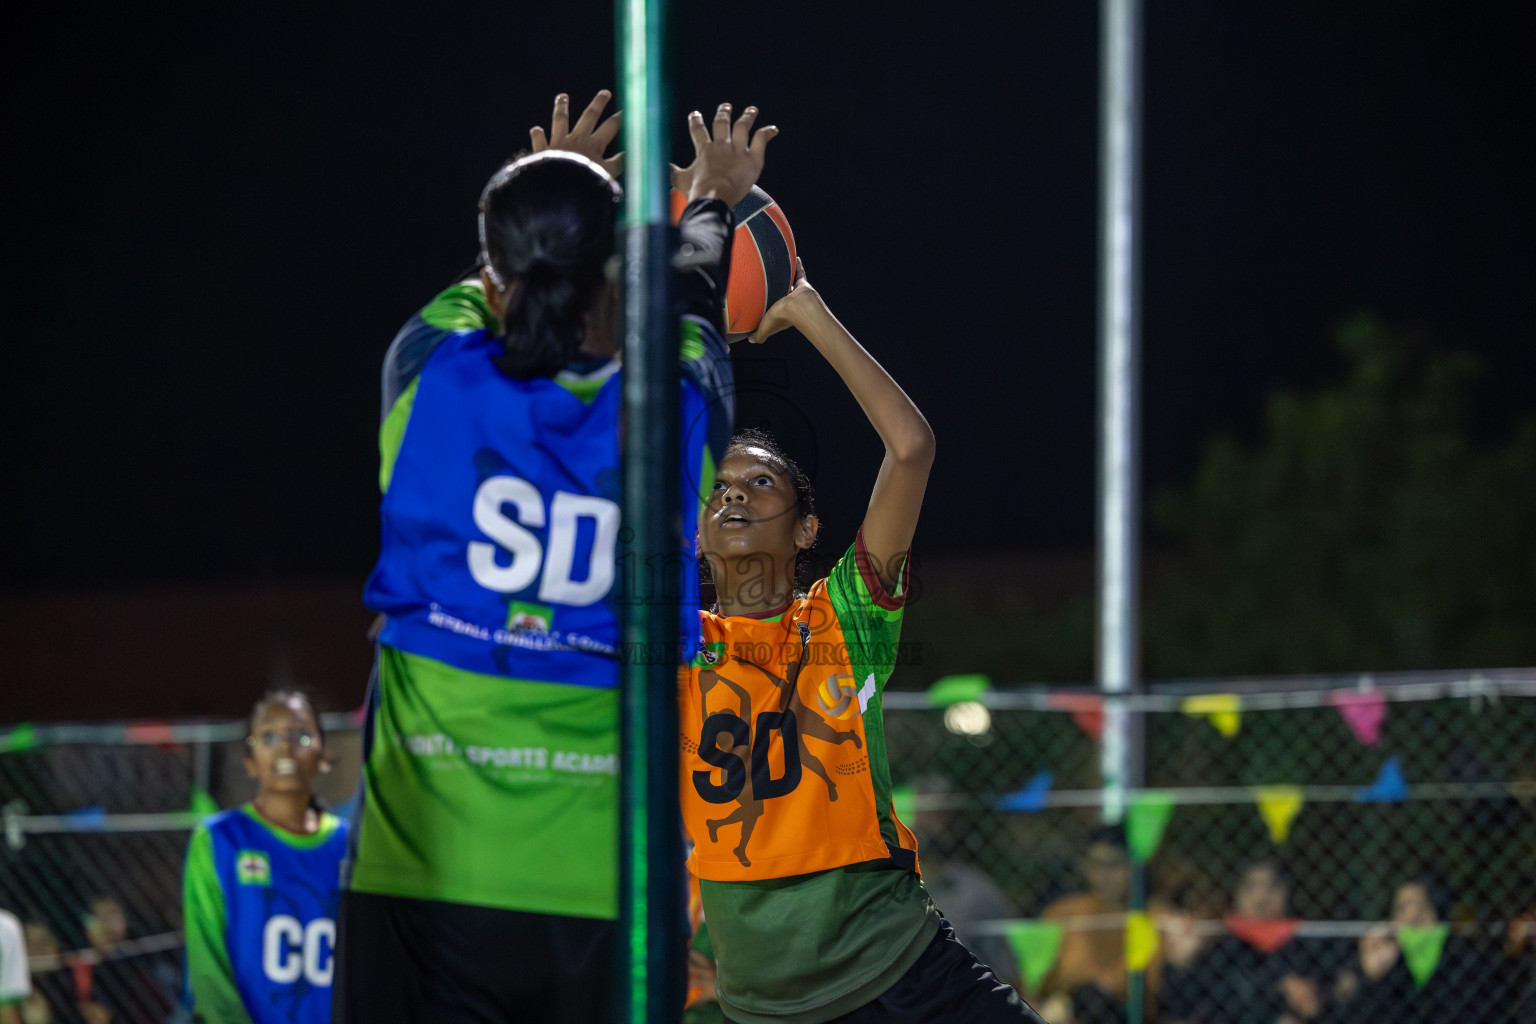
[[1334, 851]]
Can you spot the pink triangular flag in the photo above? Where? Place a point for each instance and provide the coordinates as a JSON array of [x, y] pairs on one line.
[[1363, 711], [1087, 710]]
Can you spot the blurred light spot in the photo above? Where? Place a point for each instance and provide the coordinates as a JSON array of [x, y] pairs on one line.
[[968, 718]]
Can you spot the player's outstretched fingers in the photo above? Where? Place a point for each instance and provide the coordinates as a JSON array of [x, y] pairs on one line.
[[560, 120], [742, 131], [697, 132], [722, 132], [765, 135], [540, 142], [587, 123], [606, 132]]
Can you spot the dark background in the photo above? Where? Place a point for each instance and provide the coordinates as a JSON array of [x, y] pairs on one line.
[[216, 222]]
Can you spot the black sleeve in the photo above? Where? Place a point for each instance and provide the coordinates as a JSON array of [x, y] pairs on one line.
[[704, 259], [703, 263]]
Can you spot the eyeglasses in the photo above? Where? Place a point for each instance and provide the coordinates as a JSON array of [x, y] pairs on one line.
[[270, 738]]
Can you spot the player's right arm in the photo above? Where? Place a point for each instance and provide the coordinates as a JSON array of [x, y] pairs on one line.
[[891, 518], [211, 990]]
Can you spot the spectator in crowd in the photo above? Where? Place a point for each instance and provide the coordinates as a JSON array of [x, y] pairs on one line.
[[122, 984], [1258, 974], [50, 984], [1465, 985], [57, 996], [963, 892], [15, 973], [1089, 983]]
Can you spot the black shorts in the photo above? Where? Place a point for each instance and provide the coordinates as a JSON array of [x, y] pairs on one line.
[[427, 962], [947, 985]]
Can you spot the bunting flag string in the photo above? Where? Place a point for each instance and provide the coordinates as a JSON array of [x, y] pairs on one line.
[[1389, 788], [87, 819], [1278, 806], [1222, 710], [1140, 940], [1145, 821], [1363, 711], [1086, 709], [948, 690], [1422, 946], [1036, 944], [21, 738], [1264, 934], [1033, 797]]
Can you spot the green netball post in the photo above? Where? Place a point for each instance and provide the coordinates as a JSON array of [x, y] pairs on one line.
[[651, 856]]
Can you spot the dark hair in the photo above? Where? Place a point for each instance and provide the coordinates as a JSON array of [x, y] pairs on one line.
[[1108, 835], [286, 696], [547, 225]]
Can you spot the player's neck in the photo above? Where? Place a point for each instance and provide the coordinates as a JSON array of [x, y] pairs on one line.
[[751, 587], [289, 811]]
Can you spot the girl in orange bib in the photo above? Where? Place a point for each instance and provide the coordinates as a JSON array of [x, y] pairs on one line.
[[810, 884]]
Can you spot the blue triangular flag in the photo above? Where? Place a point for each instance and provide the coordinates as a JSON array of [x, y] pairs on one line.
[[1389, 788], [1031, 798], [87, 818]]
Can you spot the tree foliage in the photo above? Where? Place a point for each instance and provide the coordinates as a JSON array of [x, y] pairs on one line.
[[1367, 530]]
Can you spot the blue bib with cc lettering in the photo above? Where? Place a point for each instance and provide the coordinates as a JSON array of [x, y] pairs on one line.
[[280, 894]]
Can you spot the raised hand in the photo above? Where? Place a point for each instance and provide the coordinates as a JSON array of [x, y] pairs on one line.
[[727, 162], [587, 136], [786, 312]]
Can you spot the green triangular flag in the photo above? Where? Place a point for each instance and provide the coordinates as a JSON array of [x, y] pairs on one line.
[[18, 739], [904, 803], [1145, 821], [1036, 944], [203, 804], [1422, 945], [949, 690]]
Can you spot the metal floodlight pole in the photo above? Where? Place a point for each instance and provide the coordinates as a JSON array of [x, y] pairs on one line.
[[1121, 755], [651, 855]]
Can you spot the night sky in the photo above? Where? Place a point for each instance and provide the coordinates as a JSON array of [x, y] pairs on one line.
[[215, 223]]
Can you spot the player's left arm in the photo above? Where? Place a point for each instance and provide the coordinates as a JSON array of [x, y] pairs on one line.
[[897, 498], [212, 993]]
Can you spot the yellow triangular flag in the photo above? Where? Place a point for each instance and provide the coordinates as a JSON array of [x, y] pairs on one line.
[[1140, 940], [1279, 805], [1224, 710]]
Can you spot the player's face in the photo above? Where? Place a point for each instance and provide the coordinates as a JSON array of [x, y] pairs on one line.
[[1411, 906], [752, 511], [284, 752]]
